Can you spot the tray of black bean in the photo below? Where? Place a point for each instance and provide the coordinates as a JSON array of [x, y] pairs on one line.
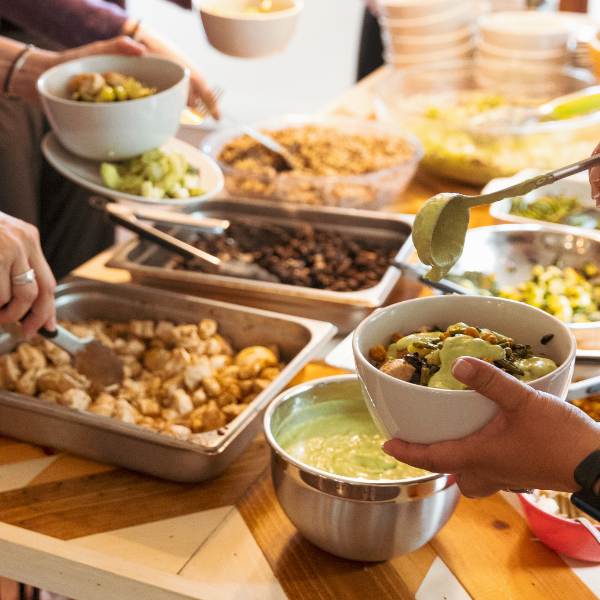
[[331, 264]]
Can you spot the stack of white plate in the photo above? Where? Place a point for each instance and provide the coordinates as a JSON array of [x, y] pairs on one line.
[[424, 31], [531, 36]]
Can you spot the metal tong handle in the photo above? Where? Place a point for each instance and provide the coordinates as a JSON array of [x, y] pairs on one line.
[[210, 263], [166, 217], [416, 273], [534, 183]]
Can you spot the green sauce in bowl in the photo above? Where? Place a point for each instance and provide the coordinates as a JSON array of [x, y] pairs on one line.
[[341, 438]]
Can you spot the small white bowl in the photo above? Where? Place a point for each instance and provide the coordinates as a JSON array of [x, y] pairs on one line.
[[527, 30], [429, 44], [426, 415], [234, 31], [458, 35], [410, 9], [504, 53], [115, 130], [401, 60]]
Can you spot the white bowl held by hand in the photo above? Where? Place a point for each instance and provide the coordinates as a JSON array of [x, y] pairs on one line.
[[425, 415], [243, 28], [115, 130]]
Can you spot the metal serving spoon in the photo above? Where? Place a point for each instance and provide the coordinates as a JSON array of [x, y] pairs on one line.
[[440, 226]]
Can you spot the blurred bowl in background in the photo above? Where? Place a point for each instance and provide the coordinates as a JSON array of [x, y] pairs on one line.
[[352, 517], [449, 107], [560, 534], [527, 30], [249, 28], [323, 144], [115, 130], [425, 415], [409, 9]]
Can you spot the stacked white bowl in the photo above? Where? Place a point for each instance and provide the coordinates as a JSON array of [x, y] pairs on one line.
[[424, 31], [535, 37]]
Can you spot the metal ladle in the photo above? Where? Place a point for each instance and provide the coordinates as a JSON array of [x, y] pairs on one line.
[[441, 224]]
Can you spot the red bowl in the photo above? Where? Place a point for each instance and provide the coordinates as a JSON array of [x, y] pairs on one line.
[[563, 535]]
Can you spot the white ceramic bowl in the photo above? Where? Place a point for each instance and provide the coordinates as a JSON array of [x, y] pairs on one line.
[[498, 52], [442, 23], [425, 415], [441, 40], [115, 130], [527, 30], [234, 31], [410, 9], [402, 60]]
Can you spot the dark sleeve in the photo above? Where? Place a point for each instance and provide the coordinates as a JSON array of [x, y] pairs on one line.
[[183, 3], [68, 22]]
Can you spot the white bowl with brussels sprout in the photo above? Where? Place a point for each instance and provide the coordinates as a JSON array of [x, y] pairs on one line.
[[112, 107], [417, 399]]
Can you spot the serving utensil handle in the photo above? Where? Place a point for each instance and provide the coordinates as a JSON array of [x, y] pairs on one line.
[[524, 187]]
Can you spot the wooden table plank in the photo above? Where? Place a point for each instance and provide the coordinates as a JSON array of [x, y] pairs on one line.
[[306, 571], [119, 498], [490, 549]]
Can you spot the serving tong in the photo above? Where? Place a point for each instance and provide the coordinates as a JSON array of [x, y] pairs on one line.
[[132, 219]]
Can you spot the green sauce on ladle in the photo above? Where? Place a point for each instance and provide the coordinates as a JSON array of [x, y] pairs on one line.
[[441, 224]]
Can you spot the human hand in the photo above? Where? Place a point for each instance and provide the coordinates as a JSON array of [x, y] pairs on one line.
[[595, 179], [23, 83], [535, 440], [20, 252], [157, 44]]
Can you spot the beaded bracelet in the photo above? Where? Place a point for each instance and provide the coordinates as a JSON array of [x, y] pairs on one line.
[[16, 65]]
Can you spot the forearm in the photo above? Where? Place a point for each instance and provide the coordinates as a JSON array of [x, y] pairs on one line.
[[69, 22], [21, 82]]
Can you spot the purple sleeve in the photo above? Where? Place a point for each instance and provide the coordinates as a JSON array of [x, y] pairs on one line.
[[68, 22]]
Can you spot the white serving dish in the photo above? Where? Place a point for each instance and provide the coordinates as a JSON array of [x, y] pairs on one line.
[[576, 185]]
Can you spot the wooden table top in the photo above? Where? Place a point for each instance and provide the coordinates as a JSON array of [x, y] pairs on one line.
[[92, 531]]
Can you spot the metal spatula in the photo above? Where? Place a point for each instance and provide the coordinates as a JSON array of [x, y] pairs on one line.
[[99, 363]]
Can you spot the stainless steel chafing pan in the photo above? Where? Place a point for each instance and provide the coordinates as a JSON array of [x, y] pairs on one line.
[[146, 262], [131, 446]]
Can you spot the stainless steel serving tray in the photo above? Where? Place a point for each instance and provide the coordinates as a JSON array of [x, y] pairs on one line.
[[131, 446], [146, 261]]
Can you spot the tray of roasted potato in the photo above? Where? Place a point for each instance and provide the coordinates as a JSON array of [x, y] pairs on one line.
[[197, 375]]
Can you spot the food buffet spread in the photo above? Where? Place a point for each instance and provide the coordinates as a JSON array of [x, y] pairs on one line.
[[234, 459]]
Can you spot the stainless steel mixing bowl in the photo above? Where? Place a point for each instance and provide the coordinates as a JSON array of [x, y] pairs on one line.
[[358, 519]]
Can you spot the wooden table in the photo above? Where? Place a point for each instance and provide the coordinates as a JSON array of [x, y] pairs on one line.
[[93, 531]]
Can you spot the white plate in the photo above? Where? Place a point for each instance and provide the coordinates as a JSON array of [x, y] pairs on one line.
[[577, 185], [87, 172]]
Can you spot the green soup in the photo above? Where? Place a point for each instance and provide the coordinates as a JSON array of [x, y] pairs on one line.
[[341, 438]]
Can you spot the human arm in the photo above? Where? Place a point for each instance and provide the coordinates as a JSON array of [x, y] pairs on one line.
[[157, 44], [22, 82], [21, 251], [535, 440], [75, 23]]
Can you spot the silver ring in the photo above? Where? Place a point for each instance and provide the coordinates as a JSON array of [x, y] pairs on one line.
[[27, 277], [522, 491]]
